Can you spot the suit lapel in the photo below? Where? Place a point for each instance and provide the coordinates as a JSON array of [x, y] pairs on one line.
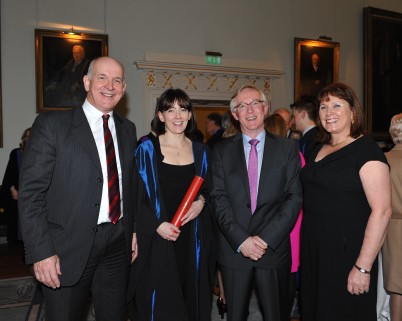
[[84, 136], [123, 151], [265, 166], [240, 162]]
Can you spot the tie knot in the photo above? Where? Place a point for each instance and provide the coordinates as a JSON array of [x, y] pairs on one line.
[[105, 118], [253, 142]]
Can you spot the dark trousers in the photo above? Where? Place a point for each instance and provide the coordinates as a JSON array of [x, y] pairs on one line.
[[105, 275], [272, 289]]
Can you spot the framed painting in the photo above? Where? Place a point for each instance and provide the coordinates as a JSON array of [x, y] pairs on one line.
[[62, 59], [382, 69], [316, 65]]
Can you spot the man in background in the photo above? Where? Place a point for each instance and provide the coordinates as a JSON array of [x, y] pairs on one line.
[[213, 127], [304, 116], [76, 200], [287, 117]]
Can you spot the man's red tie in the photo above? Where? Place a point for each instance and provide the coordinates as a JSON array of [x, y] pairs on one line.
[[112, 174]]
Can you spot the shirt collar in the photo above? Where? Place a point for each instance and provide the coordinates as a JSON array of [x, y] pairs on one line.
[[260, 137], [93, 115]]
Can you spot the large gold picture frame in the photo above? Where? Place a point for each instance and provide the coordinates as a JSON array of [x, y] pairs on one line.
[[316, 65], [62, 59]]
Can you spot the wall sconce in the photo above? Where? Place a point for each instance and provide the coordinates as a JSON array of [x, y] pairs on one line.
[[325, 38], [72, 32]]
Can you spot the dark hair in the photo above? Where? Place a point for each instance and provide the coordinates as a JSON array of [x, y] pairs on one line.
[[24, 138], [216, 118], [275, 124], [308, 104], [167, 101], [346, 93]]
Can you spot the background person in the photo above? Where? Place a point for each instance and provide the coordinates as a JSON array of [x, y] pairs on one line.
[[276, 125], [78, 238], [304, 117], [213, 127], [173, 277], [287, 117], [9, 189], [347, 206], [229, 124], [392, 248], [255, 219]]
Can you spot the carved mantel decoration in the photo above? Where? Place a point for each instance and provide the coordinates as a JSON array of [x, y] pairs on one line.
[[200, 81]]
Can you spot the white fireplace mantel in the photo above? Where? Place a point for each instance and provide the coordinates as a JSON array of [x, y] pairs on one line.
[[199, 80]]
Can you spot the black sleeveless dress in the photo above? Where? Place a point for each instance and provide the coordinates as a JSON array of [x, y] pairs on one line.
[[336, 212]]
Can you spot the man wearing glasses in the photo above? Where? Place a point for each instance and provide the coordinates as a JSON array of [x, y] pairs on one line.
[[257, 198]]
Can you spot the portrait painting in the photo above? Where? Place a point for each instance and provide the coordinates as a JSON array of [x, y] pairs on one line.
[[316, 65], [383, 69], [62, 60]]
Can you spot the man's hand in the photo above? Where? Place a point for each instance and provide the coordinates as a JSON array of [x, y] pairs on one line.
[[134, 248], [253, 248], [47, 271]]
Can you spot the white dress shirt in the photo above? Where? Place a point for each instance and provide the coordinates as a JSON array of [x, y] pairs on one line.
[[95, 121]]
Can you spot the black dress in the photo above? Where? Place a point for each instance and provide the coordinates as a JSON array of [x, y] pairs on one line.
[[336, 212], [171, 280]]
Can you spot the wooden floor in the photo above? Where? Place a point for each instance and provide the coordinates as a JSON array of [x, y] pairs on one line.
[[12, 263]]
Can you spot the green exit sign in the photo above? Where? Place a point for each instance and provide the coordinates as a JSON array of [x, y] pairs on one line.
[[213, 58]]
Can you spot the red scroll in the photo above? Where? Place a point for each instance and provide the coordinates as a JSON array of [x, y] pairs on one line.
[[187, 200]]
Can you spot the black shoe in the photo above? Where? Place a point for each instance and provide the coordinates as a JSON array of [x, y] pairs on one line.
[[222, 308]]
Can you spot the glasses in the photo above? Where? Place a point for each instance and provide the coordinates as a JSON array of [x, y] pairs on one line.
[[254, 104]]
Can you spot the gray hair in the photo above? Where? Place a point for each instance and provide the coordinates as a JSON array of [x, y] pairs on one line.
[[395, 129], [233, 100]]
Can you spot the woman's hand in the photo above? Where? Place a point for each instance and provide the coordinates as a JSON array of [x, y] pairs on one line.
[[358, 282], [194, 210], [14, 193], [168, 231]]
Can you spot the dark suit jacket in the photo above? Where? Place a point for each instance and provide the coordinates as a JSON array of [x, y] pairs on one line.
[[61, 189], [278, 202], [307, 142], [215, 138]]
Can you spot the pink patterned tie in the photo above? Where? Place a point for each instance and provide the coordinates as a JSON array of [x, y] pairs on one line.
[[253, 173]]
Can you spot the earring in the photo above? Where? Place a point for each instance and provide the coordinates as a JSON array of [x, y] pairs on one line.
[[353, 120]]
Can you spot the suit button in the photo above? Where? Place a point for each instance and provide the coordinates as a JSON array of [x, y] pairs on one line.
[[95, 229], [248, 205], [97, 205], [99, 179]]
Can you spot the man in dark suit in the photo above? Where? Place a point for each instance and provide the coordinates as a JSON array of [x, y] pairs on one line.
[[74, 243], [213, 127], [304, 116], [255, 214]]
